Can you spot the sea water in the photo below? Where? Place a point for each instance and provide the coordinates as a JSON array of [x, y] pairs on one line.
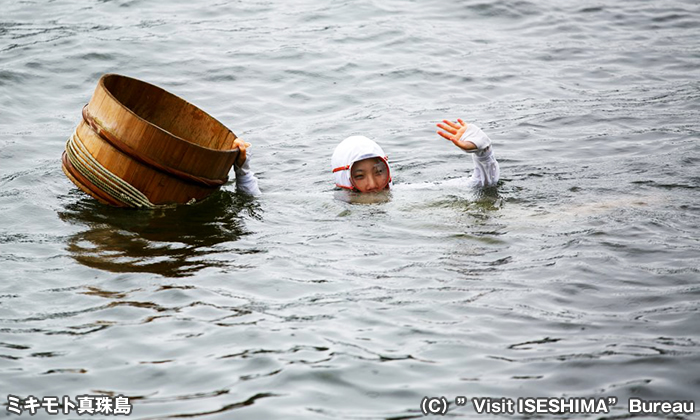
[[576, 277]]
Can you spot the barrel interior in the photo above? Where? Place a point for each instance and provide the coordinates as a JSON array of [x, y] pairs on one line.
[[170, 113]]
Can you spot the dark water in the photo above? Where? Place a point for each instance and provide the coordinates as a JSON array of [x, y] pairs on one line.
[[576, 277]]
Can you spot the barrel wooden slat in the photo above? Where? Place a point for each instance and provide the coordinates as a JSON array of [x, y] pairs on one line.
[[85, 185], [163, 146], [160, 188], [126, 122]]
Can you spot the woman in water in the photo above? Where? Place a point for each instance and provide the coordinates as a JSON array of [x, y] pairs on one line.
[[360, 165]]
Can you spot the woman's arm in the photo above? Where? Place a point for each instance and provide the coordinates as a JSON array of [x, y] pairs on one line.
[[471, 139], [246, 182]]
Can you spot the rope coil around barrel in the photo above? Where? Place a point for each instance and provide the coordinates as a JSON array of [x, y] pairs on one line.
[[108, 182], [139, 157]]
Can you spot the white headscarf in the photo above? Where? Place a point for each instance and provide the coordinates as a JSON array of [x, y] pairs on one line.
[[351, 150]]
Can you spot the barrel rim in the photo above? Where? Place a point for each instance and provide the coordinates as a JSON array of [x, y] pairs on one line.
[[101, 83]]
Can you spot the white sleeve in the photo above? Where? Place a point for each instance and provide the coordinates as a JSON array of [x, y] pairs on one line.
[[246, 182], [486, 169], [478, 137]]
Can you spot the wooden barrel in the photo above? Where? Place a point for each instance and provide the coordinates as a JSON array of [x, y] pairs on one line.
[[138, 143]]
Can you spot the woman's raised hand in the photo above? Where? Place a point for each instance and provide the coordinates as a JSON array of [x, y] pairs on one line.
[[453, 132]]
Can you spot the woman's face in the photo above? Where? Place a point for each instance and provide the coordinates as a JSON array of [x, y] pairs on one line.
[[369, 175]]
